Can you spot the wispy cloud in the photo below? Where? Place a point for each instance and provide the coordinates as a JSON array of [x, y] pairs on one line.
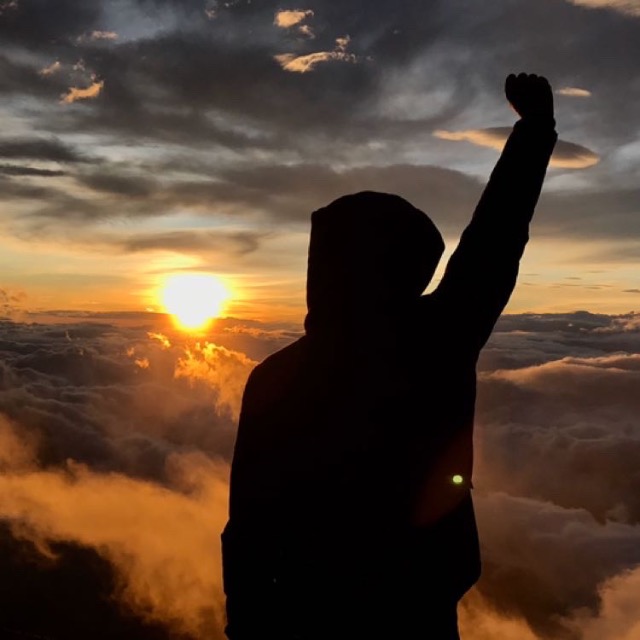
[[306, 63], [566, 155], [51, 69], [98, 35], [574, 92], [40, 149], [8, 5], [211, 9], [629, 7], [75, 93], [306, 30], [16, 170]]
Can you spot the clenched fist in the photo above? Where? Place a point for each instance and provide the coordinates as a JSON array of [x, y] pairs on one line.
[[531, 96]]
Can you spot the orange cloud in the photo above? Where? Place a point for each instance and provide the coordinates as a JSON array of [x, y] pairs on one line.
[[51, 69], [163, 542], [16, 453], [305, 30], [287, 19], [75, 93], [566, 155], [304, 64], [224, 370], [479, 621], [162, 339], [142, 363], [618, 615]]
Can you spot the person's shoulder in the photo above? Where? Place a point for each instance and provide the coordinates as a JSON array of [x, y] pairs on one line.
[[272, 379], [278, 366], [282, 357]]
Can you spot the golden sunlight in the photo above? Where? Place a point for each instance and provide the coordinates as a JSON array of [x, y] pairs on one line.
[[194, 299]]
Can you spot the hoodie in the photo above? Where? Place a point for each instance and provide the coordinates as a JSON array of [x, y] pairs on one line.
[[351, 512]]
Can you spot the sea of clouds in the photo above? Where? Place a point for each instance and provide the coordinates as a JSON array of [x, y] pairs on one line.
[[115, 441]]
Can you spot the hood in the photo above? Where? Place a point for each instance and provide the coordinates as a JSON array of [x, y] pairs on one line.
[[369, 253]]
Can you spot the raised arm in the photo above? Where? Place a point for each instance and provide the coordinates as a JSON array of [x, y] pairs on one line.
[[482, 272]]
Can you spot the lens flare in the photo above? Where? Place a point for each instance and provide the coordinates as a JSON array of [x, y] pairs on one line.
[[194, 299]]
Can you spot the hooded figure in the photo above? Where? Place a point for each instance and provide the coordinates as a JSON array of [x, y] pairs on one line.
[[350, 508]]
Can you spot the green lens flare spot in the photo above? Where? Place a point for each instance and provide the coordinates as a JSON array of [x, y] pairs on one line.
[[457, 479]]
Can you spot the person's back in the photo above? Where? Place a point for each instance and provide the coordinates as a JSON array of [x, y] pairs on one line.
[[350, 512]]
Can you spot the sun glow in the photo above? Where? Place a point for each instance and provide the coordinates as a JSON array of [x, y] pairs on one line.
[[194, 299]]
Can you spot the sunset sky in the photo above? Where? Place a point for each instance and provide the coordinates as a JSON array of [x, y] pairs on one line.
[[148, 140], [144, 138]]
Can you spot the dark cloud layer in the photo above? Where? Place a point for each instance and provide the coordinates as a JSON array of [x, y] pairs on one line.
[[15, 170], [40, 149], [187, 78]]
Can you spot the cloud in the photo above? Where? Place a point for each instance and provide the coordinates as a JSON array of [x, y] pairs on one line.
[[286, 19], [629, 7], [16, 454], [51, 69], [30, 24], [618, 616], [306, 30], [42, 369], [574, 92], [342, 43], [163, 542], [479, 620], [75, 93], [572, 415], [547, 565], [257, 95], [176, 578], [239, 243], [288, 193], [13, 170], [566, 155], [7, 6], [304, 64], [224, 370], [103, 434], [52, 149], [12, 304], [98, 35], [130, 186], [280, 193]]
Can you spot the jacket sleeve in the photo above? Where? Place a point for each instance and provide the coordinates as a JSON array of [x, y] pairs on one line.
[[482, 271]]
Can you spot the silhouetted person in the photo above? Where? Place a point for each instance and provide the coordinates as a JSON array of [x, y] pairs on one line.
[[351, 513]]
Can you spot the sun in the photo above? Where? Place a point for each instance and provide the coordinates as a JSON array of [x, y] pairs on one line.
[[194, 299]]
